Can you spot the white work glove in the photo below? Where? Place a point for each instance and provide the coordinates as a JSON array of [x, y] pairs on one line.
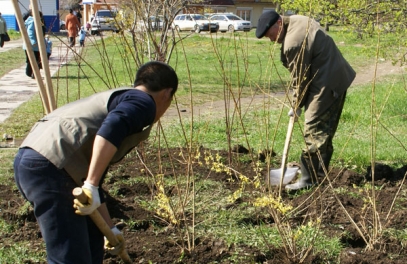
[[298, 113], [119, 247], [92, 192]]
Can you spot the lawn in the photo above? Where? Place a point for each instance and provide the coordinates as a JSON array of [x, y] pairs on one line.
[[195, 192]]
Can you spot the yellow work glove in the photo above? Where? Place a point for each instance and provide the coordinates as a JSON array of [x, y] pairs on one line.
[[92, 192], [119, 247]]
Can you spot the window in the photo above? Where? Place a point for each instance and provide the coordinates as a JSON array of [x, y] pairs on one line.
[[244, 13], [219, 9]]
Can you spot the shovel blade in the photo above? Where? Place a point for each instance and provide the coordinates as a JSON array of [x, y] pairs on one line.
[[289, 175]]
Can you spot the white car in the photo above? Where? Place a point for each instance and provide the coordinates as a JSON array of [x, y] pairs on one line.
[[104, 20], [196, 22], [231, 22]]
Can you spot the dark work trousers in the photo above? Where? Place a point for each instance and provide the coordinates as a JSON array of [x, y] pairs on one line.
[[69, 238], [318, 135], [29, 69]]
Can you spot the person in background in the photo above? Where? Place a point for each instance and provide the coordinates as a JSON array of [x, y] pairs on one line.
[[32, 36], [3, 30], [29, 13], [74, 146], [48, 44], [79, 16], [88, 26], [82, 36], [72, 25], [321, 77]]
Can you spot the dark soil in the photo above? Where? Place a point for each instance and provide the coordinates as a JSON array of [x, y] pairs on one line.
[[146, 245]]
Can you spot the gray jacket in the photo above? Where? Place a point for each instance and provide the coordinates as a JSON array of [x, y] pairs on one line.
[[65, 136], [319, 72]]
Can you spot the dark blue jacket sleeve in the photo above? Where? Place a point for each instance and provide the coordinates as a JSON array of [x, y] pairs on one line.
[[128, 113]]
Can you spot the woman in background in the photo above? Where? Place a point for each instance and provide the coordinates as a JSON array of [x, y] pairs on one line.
[[72, 26]]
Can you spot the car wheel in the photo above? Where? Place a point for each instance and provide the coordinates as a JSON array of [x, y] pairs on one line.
[[197, 29], [93, 32], [177, 28], [62, 27], [231, 28]]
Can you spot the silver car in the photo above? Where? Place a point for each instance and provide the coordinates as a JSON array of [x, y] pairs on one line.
[[230, 22], [196, 22]]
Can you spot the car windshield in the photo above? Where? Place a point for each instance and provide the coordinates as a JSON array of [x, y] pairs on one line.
[[233, 17], [106, 13], [198, 17]]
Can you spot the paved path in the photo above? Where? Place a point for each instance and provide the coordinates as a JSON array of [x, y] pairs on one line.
[[16, 88], [11, 45]]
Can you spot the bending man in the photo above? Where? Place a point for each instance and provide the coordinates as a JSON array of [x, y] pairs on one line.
[[73, 146]]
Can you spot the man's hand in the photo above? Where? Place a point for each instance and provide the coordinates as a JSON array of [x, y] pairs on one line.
[[119, 247], [92, 192], [298, 113]]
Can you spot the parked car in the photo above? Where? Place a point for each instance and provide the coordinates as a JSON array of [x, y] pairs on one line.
[[154, 23], [194, 22], [61, 25], [104, 20], [230, 22]]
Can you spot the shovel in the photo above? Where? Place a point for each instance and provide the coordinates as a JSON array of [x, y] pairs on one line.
[[278, 175], [101, 224]]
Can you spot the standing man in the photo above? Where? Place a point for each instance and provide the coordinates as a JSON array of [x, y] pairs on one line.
[[72, 25], [79, 15], [320, 78], [73, 146], [3, 30]]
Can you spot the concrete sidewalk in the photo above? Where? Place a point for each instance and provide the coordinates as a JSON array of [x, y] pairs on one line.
[[16, 88], [11, 45]]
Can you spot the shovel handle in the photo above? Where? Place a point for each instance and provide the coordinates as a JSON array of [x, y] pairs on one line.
[[101, 224], [286, 149]]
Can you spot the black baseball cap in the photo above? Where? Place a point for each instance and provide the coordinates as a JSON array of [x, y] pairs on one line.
[[266, 21]]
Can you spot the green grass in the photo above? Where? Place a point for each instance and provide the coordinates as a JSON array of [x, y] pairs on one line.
[[22, 253], [12, 59], [353, 138], [226, 69], [12, 252], [14, 35], [6, 166]]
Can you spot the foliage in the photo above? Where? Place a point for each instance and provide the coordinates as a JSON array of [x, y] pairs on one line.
[[69, 4], [232, 69], [367, 18]]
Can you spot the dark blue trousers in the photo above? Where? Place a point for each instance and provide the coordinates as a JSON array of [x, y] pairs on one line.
[[69, 238]]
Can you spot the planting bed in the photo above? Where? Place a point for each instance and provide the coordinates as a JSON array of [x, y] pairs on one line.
[[153, 240]]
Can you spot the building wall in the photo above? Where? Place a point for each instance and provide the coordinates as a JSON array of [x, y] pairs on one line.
[[49, 9]]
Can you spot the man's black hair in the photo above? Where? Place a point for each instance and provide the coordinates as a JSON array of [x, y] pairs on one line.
[[156, 76]]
